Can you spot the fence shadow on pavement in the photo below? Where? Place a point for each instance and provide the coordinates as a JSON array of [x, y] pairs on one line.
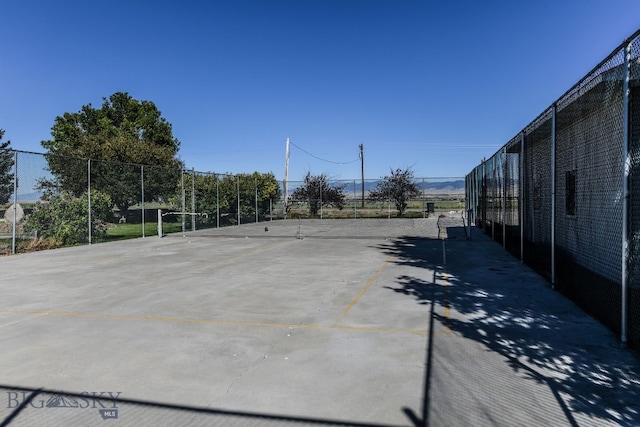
[[30, 406], [484, 295]]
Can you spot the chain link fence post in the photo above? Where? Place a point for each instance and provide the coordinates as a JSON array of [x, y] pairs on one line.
[[521, 196], [142, 218], [89, 198], [193, 199], [553, 196], [15, 202], [217, 201], [355, 205], [183, 200], [625, 191]]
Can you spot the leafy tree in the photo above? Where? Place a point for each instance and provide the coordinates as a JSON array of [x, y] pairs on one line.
[[209, 188], [265, 186], [124, 133], [399, 187], [63, 218], [6, 165], [317, 191]]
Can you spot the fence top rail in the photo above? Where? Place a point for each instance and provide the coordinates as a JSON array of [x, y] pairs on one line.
[[227, 174], [184, 169]]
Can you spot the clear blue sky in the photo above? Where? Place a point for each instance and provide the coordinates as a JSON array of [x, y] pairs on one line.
[[434, 84]]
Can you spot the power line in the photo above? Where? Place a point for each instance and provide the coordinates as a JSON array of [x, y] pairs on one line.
[[320, 158]]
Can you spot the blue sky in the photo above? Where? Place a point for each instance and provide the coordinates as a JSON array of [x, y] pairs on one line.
[[434, 85]]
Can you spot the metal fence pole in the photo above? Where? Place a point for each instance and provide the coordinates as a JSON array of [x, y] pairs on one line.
[[553, 196], [521, 197], [15, 201], [183, 199], [424, 212], [320, 199], [355, 205], [625, 200], [255, 184], [238, 186], [504, 198], [89, 198], [193, 199], [484, 195], [142, 197], [217, 201], [494, 192]]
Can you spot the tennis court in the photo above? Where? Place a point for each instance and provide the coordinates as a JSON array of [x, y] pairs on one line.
[[344, 322], [299, 321]]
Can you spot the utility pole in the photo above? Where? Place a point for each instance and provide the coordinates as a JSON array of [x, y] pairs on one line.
[[362, 169]]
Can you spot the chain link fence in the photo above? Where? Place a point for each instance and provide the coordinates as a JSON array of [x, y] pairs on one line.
[[50, 201], [433, 194], [564, 194]]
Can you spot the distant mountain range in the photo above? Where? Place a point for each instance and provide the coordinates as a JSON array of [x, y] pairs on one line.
[[433, 187], [454, 186], [28, 197]]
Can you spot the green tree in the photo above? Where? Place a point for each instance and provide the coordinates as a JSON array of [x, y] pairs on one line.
[[399, 187], [317, 191], [124, 134], [6, 166], [209, 188], [263, 186], [63, 218]]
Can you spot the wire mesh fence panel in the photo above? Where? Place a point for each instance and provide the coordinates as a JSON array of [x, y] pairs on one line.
[[512, 220], [565, 183], [161, 195], [123, 183], [491, 195], [634, 188], [634, 157], [315, 199], [537, 194], [61, 217], [500, 202], [22, 193], [201, 200], [589, 172]]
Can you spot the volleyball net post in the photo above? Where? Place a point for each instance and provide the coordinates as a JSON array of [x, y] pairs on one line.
[[161, 215]]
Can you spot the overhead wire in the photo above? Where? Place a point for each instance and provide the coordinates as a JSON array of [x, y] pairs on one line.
[[321, 159]]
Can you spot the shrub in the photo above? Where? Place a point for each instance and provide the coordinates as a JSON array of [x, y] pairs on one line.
[[63, 218]]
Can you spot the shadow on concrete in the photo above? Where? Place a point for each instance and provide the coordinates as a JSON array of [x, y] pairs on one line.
[[511, 313], [28, 406]]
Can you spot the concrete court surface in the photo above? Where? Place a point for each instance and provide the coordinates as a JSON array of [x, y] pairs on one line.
[[350, 322]]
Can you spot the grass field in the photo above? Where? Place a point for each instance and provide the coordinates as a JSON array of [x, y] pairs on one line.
[[132, 231], [415, 209]]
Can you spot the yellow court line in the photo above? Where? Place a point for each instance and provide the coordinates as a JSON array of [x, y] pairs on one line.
[[366, 287], [59, 313]]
